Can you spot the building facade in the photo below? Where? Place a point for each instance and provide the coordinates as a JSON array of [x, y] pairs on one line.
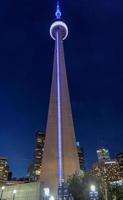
[[119, 158], [4, 169], [39, 150], [80, 151], [30, 172], [108, 171], [103, 154]]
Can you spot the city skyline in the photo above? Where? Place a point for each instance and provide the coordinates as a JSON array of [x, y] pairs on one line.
[[95, 73]]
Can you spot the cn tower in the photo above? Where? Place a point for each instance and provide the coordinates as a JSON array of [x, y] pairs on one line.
[[60, 158]]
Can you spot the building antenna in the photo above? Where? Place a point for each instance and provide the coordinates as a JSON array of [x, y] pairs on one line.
[[58, 11]]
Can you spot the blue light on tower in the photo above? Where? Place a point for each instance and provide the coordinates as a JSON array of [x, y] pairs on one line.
[[58, 11]]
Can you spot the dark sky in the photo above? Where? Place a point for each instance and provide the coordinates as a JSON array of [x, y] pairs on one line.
[[94, 59]]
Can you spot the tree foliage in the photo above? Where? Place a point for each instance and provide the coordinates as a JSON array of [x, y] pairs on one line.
[[116, 191], [79, 186]]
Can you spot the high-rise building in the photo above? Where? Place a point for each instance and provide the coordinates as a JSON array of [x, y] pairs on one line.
[[30, 171], [60, 152], [109, 171], [9, 176], [4, 169], [81, 156], [103, 154], [119, 158], [39, 150]]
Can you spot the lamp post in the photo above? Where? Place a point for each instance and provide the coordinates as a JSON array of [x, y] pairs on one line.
[[51, 198], [14, 193], [93, 193], [2, 189], [106, 193], [46, 193]]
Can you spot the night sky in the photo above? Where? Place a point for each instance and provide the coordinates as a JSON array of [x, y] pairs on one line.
[[94, 60]]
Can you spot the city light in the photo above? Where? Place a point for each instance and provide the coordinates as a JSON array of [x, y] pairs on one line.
[[93, 188], [3, 188], [46, 192], [51, 198], [14, 191]]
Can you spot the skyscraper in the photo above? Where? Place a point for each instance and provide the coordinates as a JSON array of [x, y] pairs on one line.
[[119, 158], [81, 156], [4, 169], [60, 152], [109, 171], [39, 150], [34, 169], [103, 154]]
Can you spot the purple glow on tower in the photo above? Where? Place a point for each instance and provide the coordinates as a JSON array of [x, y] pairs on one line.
[[58, 12], [60, 167]]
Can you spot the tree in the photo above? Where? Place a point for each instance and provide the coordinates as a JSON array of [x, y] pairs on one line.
[[79, 186], [75, 186], [116, 191]]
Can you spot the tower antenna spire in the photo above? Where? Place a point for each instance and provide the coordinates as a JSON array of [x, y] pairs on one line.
[[58, 11]]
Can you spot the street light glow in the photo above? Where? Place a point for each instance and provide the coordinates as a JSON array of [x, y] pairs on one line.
[[14, 191], [93, 188], [51, 198], [46, 192], [3, 188]]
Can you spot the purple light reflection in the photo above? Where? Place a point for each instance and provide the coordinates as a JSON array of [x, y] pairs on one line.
[[60, 170]]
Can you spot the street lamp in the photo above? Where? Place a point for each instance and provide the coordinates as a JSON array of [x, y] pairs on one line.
[[2, 189], [14, 193], [46, 193], [51, 198], [93, 188], [93, 193]]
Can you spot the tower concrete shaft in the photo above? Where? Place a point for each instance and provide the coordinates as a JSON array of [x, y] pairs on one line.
[[60, 158]]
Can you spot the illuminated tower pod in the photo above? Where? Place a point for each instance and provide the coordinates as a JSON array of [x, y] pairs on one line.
[[60, 152]]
